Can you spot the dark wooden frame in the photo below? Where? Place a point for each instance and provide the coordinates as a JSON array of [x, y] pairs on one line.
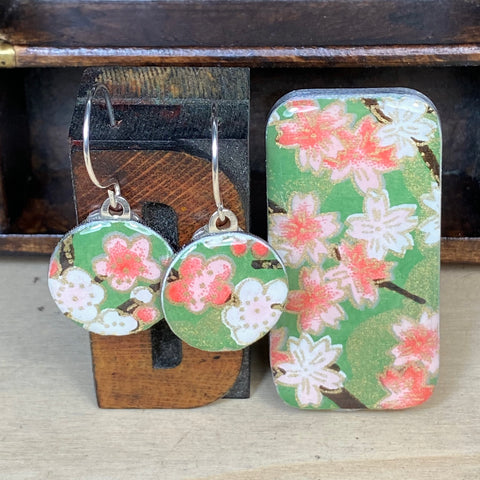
[[253, 33]]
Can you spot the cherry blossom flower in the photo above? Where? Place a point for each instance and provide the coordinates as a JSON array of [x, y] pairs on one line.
[[113, 322], [431, 226], [53, 268], [127, 261], [302, 233], [313, 133], [419, 342], [239, 248], [278, 339], [202, 283], [407, 387], [309, 369], [362, 158], [146, 312], [256, 309], [384, 228], [359, 273], [317, 303], [300, 106], [260, 250], [408, 124], [76, 294]]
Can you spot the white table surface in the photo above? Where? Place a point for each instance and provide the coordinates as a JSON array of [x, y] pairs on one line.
[[51, 426]]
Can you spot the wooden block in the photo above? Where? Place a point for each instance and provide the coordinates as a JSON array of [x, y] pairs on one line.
[[124, 374], [159, 155]]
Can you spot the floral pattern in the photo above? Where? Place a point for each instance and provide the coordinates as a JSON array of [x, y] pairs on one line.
[[359, 273], [431, 226], [76, 294], [302, 233], [362, 159], [419, 342], [103, 275], [224, 291], [202, 283], [407, 387], [383, 228], [313, 132], [368, 256], [309, 369], [318, 303], [256, 310], [112, 322], [408, 125], [146, 311], [127, 261]]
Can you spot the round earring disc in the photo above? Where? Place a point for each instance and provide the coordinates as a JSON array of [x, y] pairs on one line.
[[104, 276], [224, 291]]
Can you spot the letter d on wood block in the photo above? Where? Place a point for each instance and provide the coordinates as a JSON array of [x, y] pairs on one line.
[[160, 153]]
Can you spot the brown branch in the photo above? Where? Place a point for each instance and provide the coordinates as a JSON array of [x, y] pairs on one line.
[[266, 264], [395, 288], [275, 207], [344, 399], [341, 397], [67, 254], [429, 158], [372, 105]]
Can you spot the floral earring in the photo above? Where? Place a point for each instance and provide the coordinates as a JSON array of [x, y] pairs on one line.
[[227, 288], [104, 273]]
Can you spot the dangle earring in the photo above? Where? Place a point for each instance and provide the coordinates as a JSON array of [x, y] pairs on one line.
[[227, 288], [104, 274]]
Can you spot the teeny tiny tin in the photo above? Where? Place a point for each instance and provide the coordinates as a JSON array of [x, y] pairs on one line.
[[104, 274], [224, 291], [354, 191]]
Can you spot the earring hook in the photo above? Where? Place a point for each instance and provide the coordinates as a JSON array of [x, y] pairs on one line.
[[98, 88], [215, 169]]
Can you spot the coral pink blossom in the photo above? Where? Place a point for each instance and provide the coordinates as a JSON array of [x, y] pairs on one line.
[[301, 233], [313, 132], [54, 268], [317, 302], [362, 158], [359, 273], [239, 248], [201, 283], [278, 339], [304, 105], [419, 342], [146, 314], [260, 250], [127, 260], [407, 387]]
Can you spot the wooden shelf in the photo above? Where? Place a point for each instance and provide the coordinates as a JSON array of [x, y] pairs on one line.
[[286, 45]]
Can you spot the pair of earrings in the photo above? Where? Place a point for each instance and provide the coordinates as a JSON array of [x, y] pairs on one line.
[[115, 276]]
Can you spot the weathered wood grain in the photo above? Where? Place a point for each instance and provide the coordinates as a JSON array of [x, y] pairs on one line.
[[124, 375], [295, 56], [21, 243], [244, 23]]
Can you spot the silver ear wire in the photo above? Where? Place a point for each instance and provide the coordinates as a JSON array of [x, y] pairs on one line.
[[215, 169], [98, 88]]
